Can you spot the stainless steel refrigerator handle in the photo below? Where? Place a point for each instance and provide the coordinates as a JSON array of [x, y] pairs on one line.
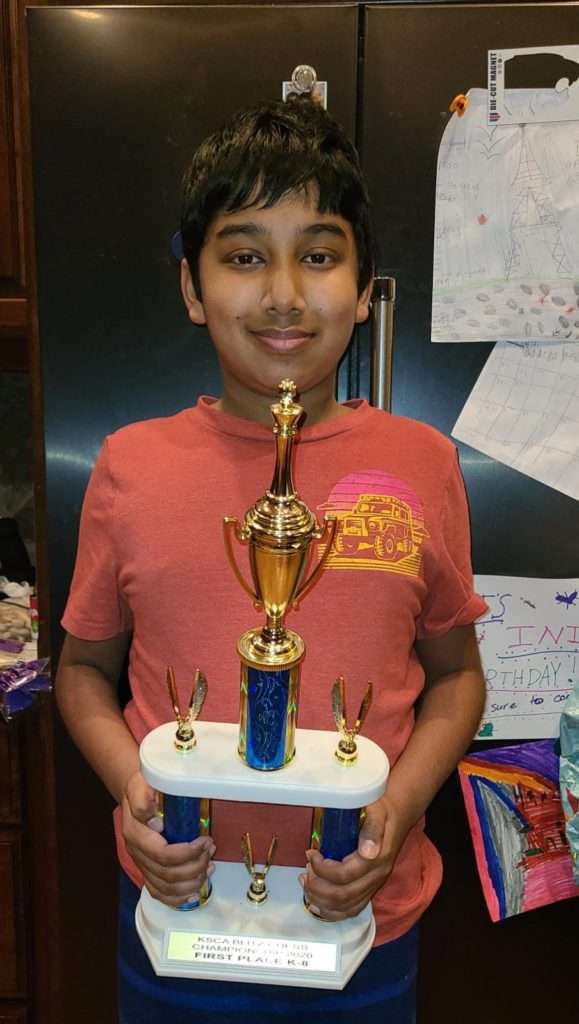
[[383, 297]]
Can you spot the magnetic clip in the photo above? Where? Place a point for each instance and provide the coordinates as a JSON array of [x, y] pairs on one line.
[[459, 105]]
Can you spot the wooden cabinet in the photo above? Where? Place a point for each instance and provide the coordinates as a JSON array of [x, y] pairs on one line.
[[14, 1015], [10, 798], [12, 938], [28, 889]]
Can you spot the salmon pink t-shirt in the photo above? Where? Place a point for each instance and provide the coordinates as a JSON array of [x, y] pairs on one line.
[[151, 559]]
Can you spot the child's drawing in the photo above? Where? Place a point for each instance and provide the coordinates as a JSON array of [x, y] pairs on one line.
[[506, 240], [518, 828], [524, 411], [530, 654]]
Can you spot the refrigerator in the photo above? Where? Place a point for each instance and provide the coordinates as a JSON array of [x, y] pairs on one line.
[[120, 97]]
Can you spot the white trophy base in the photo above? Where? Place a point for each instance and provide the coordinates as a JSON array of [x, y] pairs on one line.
[[275, 943]]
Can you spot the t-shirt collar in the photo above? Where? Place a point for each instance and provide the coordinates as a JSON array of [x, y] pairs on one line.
[[224, 423]]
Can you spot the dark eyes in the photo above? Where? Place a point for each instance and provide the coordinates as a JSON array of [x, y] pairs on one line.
[[245, 259], [251, 259], [319, 259]]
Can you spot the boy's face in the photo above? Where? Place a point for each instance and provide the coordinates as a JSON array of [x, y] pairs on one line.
[[279, 297]]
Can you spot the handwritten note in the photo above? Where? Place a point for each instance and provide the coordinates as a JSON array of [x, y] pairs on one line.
[[529, 646]]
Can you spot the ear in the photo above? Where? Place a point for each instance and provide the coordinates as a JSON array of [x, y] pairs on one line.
[[195, 310], [363, 307]]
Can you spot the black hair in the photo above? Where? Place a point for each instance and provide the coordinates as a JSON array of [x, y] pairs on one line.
[[266, 152]]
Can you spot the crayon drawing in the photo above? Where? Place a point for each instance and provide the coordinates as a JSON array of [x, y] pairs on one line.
[[518, 828]]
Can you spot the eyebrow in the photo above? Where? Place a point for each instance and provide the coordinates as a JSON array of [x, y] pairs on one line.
[[251, 228]]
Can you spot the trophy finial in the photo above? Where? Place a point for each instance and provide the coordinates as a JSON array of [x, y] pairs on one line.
[[257, 892], [347, 751], [185, 738], [288, 391]]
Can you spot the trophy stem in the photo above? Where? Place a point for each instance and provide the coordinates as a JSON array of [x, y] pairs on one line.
[[274, 629], [282, 483]]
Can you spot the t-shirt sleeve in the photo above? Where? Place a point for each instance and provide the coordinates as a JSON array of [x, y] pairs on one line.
[[450, 598], [95, 609]]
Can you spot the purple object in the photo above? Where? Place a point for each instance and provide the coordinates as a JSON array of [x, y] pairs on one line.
[[20, 683], [11, 646]]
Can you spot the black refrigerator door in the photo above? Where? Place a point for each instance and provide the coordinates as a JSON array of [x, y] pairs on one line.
[[120, 99], [417, 58]]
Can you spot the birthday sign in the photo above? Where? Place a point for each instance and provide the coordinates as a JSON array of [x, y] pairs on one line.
[[529, 647]]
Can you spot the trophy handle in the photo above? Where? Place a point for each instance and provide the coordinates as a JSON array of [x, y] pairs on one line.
[[231, 525], [329, 528]]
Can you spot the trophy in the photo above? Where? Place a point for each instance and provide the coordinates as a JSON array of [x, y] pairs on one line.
[[280, 944], [335, 829], [257, 892], [279, 530], [187, 817]]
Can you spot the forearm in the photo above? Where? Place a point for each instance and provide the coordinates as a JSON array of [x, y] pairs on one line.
[[447, 719], [89, 706]]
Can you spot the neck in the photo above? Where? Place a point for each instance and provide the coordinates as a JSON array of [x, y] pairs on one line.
[[318, 403]]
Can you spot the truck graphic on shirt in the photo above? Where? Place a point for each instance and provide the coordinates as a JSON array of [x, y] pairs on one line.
[[382, 523]]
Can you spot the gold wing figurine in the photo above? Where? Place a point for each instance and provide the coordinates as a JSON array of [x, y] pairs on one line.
[[257, 892], [346, 752], [247, 852], [185, 738]]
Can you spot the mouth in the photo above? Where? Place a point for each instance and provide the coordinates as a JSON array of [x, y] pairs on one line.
[[282, 341]]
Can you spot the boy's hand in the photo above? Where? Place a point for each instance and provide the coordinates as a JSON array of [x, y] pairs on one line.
[[341, 889], [173, 872]]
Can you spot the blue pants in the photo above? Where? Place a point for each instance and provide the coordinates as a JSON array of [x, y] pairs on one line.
[[382, 991]]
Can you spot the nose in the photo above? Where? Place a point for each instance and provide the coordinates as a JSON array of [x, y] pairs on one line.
[[283, 292]]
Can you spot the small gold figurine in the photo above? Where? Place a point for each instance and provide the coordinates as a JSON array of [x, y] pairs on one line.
[[257, 892], [185, 738], [347, 752]]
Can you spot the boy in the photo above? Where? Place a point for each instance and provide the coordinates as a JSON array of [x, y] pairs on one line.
[[278, 265]]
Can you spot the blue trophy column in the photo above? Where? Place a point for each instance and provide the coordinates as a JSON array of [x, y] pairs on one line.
[[269, 699], [267, 702], [186, 818], [335, 831]]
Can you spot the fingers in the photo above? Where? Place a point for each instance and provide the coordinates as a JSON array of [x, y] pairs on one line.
[[339, 872], [335, 901], [172, 893], [371, 836], [173, 862], [341, 889], [179, 871], [143, 802], [174, 872]]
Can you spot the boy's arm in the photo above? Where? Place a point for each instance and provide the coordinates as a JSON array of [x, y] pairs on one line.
[[86, 693], [449, 712]]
